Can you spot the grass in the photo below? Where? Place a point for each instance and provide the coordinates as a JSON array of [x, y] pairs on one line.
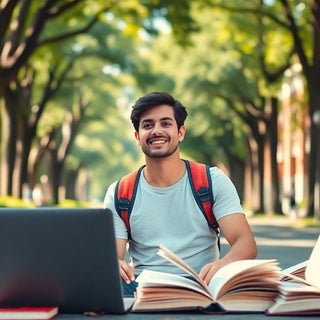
[[12, 202], [8, 201], [305, 223]]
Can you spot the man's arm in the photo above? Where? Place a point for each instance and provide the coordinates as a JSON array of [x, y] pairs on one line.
[[126, 269], [236, 230]]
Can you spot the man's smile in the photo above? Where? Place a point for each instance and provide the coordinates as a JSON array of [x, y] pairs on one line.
[[157, 140]]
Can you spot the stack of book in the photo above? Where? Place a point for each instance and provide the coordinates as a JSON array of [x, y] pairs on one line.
[[299, 290], [241, 286]]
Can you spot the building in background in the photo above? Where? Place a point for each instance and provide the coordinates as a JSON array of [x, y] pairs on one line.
[[293, 142]]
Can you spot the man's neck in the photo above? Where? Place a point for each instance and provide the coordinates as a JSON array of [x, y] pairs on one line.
[[164, 172]]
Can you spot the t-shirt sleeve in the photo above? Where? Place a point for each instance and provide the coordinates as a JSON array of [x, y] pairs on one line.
[[226, 200], [119, 226]]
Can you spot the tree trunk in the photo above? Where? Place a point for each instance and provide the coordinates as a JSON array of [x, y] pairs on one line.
[[261, 144], [272, 131], [314, 156], [54, 174], [70, 183], [9, 113], [259, 134], [236, 167], [251, 190]]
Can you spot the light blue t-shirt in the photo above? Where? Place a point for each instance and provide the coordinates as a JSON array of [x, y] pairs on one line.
[[170, 216]]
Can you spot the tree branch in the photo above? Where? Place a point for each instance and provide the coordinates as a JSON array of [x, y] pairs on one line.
[[64, 7], [84, 29], [52, 86], [289, 24], [24, 50], [70, 34], [254, 11], [70, 128], [315, 9], [294, 31], [6, 10], [20, 23], [253, 110]]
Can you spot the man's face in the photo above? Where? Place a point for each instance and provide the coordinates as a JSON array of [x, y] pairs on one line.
[[158, 134]]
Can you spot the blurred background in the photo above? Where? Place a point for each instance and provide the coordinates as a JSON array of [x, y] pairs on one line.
[[248, 72]]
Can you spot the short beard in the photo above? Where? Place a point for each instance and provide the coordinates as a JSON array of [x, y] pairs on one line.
[[159, 155]]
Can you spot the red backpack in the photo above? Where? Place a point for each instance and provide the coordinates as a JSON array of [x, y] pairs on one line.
[[200, 181]]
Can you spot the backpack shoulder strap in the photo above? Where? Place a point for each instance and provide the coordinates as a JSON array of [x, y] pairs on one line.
[[125, 193], [201, 185]]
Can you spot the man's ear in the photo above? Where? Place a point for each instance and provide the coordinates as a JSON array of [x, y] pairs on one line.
[[181, 133], [136, 135]]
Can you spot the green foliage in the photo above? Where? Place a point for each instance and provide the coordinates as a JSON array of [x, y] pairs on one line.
[[98, 72], [9, 201], [177, 13], [69, 203], [209, 56], [201, 75], [12, 202]]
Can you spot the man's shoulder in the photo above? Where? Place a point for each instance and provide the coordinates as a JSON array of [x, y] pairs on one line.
[[112, 187], [131, 174]]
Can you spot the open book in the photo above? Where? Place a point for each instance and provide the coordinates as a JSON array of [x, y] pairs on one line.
[[246, 285], [300, 295], [298, 270]]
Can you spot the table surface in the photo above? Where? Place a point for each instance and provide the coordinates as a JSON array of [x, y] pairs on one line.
[[179, 316], [289, 245]]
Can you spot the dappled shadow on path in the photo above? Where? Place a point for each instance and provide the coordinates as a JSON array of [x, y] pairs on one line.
[[285, 233], [286, 244]]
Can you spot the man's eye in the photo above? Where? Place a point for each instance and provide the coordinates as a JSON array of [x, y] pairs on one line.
[[146, 126]]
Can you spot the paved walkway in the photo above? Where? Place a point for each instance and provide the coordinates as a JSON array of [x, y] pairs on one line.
[[276, 238]]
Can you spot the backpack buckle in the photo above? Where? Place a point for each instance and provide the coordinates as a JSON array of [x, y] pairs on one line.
[[204, 194], [124, 204]]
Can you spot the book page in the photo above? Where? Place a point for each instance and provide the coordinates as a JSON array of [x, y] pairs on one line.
[[231, 270], [295, 268], [149, 278], [313, 266], [298, 289], [177, 261], [291, 276]]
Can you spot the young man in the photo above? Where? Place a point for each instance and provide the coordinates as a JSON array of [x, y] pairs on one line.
[[165, 211]]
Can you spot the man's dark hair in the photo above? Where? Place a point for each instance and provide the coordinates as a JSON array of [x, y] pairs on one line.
[[154, 99]]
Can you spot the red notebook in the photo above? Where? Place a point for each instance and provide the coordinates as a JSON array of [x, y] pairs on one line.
[[41, 313]]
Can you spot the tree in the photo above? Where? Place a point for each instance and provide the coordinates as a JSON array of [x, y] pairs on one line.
[[18, 44], [217, 68], [310, 61], [38, 25], [300, 20]]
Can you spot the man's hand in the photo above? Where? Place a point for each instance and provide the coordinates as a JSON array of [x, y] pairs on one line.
[[208, 270], [237, 232], [126, 271]]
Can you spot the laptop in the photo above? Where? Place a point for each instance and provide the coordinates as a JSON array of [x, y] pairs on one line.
[[63, 257]]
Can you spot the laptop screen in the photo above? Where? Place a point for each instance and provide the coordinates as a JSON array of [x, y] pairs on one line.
[[59, 257]]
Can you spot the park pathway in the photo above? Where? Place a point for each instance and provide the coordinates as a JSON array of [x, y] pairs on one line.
[[277, 238]]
